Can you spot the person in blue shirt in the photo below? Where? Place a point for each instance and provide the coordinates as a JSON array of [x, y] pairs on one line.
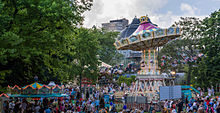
[[124, 107], [73, 92], [48, 110], [97, 103], [205, 104]]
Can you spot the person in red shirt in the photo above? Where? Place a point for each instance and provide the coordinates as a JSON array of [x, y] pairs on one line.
[[207, 101], [57, 109], [78, 109], [81, 99]]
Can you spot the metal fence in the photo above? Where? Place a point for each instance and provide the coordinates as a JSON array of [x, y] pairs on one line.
[[137, 102]]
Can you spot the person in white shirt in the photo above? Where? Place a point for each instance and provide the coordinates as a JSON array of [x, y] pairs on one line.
[[213, 91], [166, 104], [201, 92], [11, 105], [174, 111], [194, 105], [187, 109], [37, 108], [171, 102], [209, 92], [123, 99], [23, 106]]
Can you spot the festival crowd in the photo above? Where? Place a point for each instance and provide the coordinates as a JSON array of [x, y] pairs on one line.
[[94, 101], [194, 105]]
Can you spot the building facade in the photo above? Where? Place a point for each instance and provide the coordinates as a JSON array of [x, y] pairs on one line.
[[115, 25], [125, 29]]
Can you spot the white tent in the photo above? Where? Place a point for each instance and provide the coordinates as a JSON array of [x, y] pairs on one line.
[[51, 84], [103, 64]]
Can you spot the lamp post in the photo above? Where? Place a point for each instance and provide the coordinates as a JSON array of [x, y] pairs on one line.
[[195, 80], [173, 73]]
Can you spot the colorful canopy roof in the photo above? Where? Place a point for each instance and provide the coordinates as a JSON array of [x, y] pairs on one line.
[[56, 86], [4, 95], [15, 87], [45, 87], [34, 85], [147, 36], [36, 90], [145, 26]]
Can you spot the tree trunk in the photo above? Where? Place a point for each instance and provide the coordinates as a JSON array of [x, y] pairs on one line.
[[189, 73]]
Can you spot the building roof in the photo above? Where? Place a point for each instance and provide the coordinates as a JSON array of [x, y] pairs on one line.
[[129, 29], [118, 20]]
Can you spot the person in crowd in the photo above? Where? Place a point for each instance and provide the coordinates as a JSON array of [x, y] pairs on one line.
[[48, 110], [213, 91], [180, 106], [218, 109], [209, 92], [151, 107], [153, 111], [210, 109], [97, 103]]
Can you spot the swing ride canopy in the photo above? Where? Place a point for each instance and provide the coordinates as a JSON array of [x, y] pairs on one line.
[[34, 85], [36, 90], [146, 36]]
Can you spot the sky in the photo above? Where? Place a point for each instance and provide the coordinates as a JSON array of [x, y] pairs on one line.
[[161, 12]]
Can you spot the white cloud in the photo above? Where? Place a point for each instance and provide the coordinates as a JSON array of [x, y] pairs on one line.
[[187, 9], [105, 10], [164, 20], [115, 9], [94, 14]]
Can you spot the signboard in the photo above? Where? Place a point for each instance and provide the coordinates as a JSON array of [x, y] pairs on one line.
[[170, 92], [164, 92], [177, 92]]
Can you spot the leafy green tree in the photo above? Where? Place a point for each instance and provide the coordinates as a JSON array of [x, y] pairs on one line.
[[183, 49], [198, 36], [33, 38], [208, 69], [128, 81], [107, 51], [133, 77], [86, 47], [121, 79]]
